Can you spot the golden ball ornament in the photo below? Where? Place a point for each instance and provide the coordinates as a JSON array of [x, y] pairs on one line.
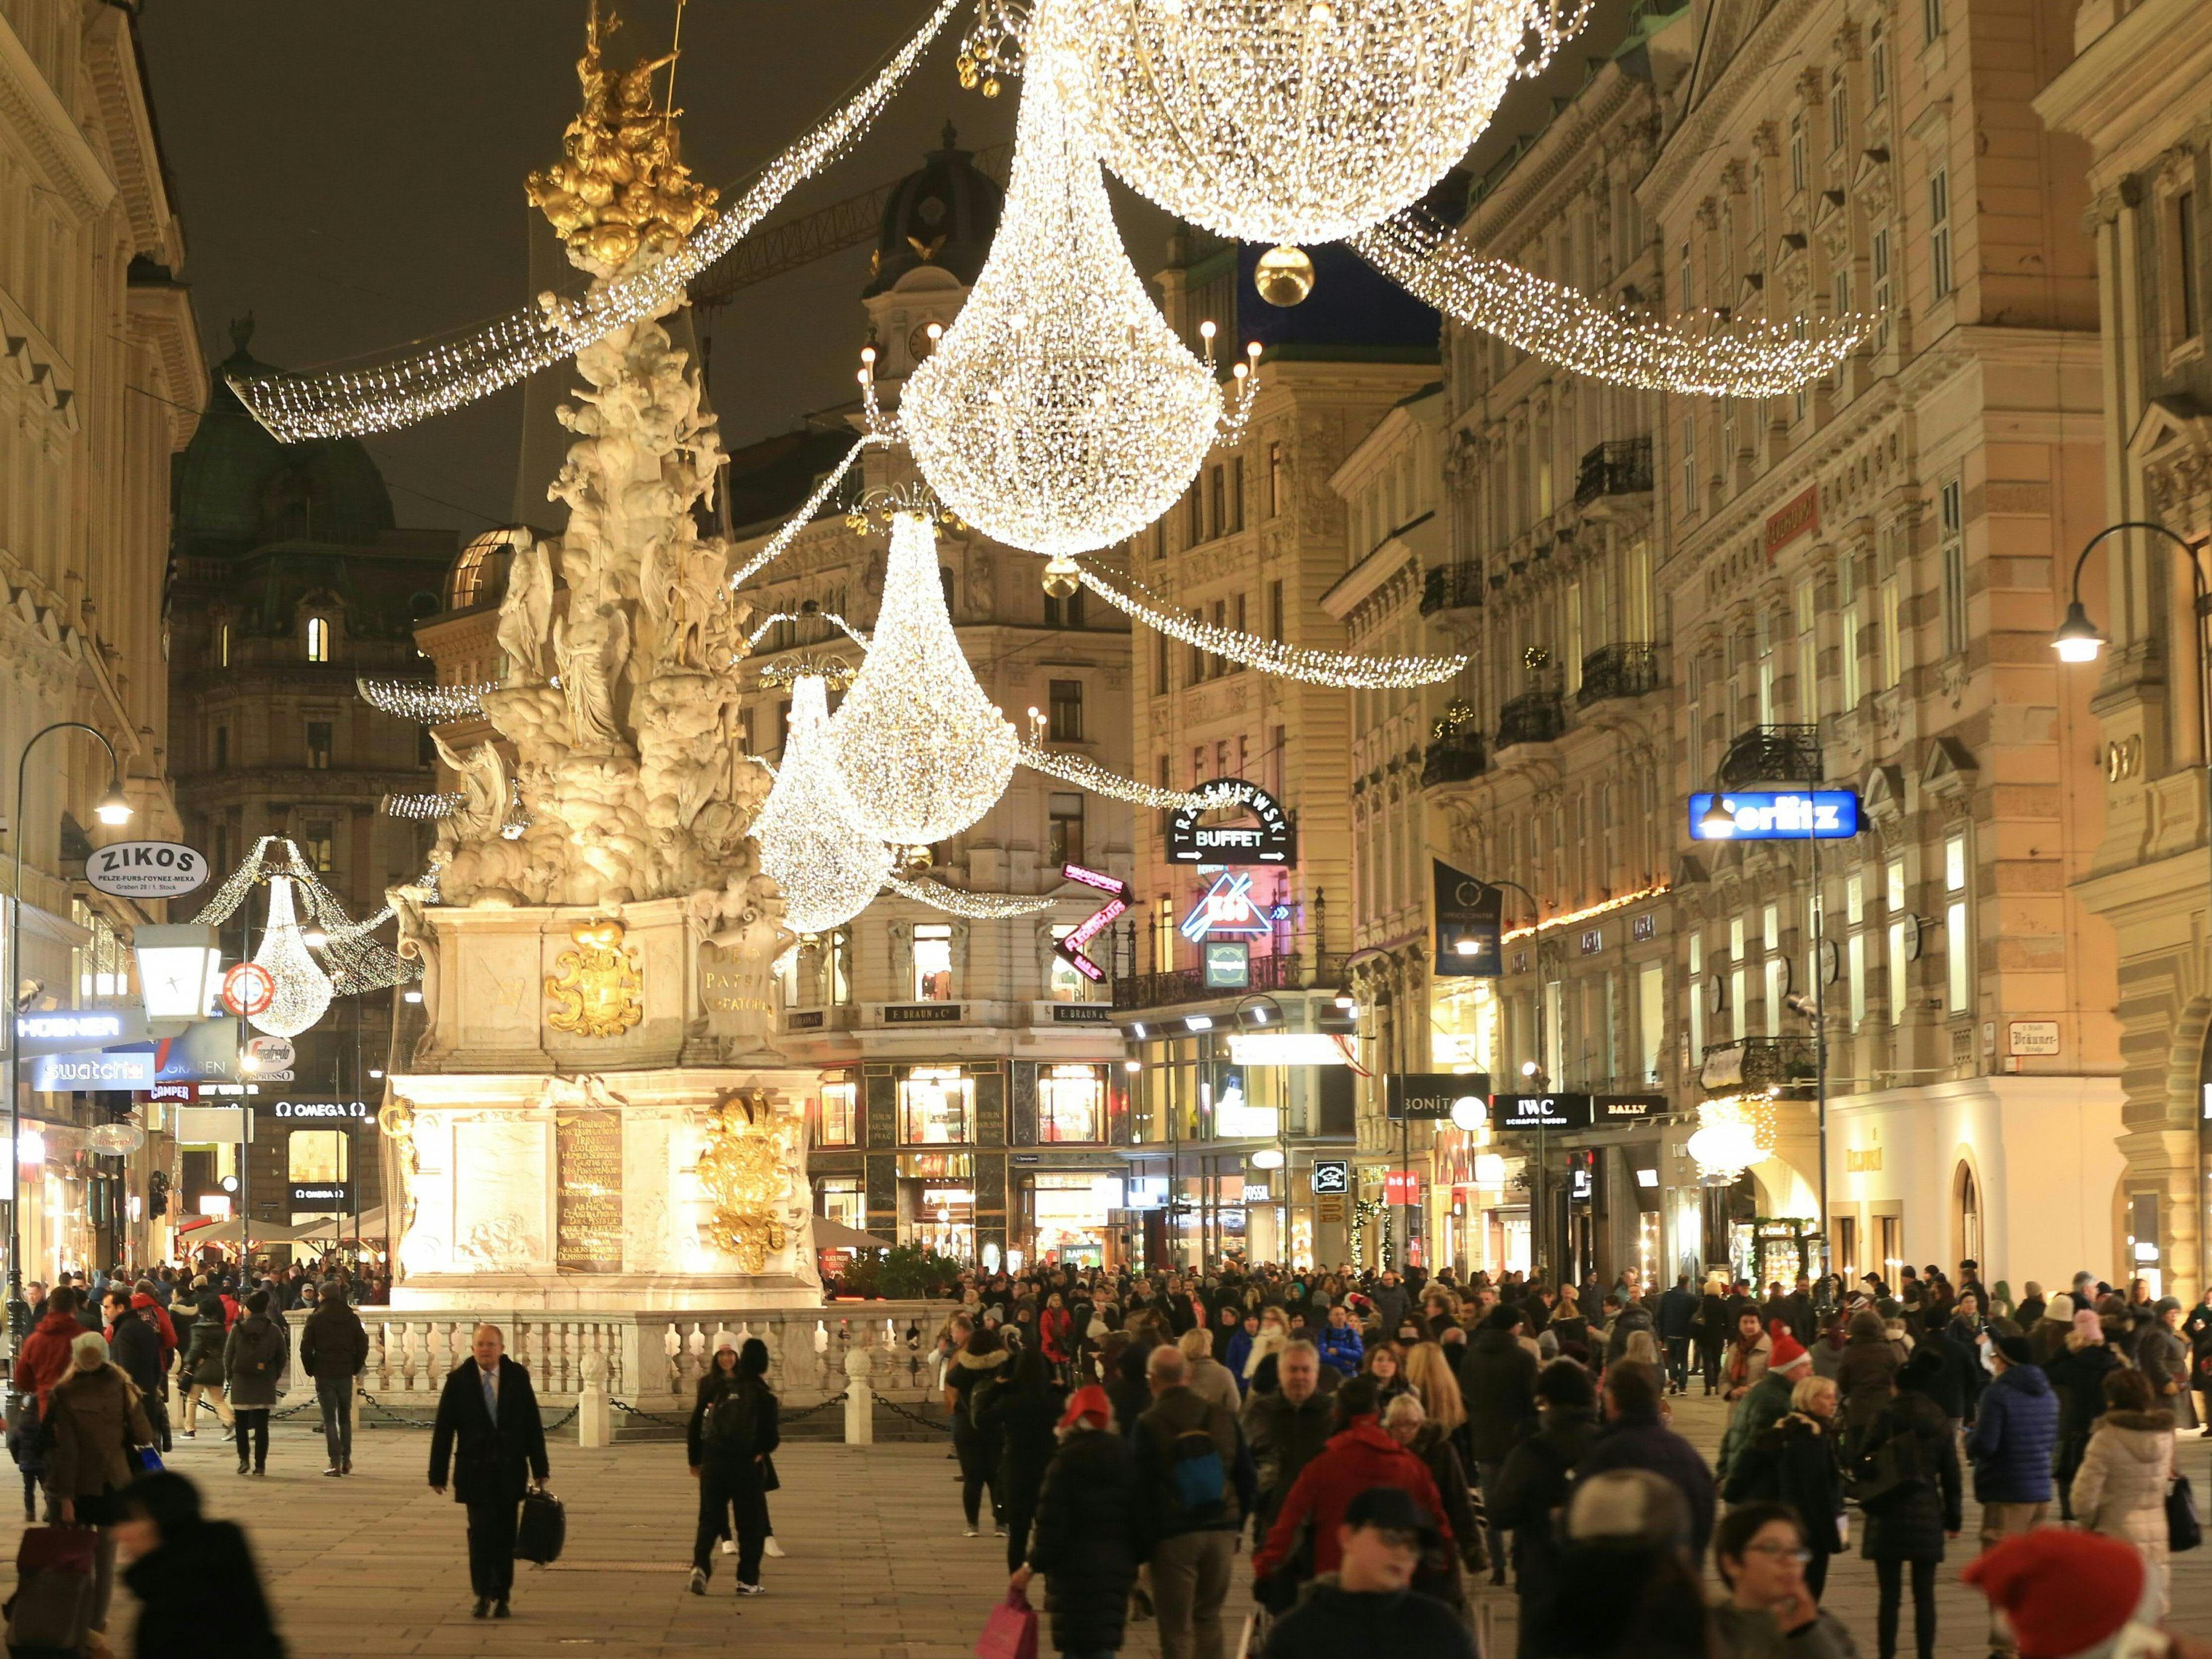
[[1061, 577], [1284, 276]]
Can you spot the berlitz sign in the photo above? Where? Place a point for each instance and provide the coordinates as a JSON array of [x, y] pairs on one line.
[[1268, 840], [1778, 815]]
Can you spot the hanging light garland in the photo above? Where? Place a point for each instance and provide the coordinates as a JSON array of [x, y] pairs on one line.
[[830, 869], [1707, 356], [760, 633], [1088, 774], [778, 544], [422, 701], [421, 807], [1297, 120], [922, 752], [1728, 1139], [976, 907], [1338, 668], [464, 368], [302, 990], [354, 961], [1059, 413]]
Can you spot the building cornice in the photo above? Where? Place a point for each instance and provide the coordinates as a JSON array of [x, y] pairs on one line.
[[1705, 126], [161, 316], [112, 56], [2134, 84], [1528, 182], [41, 123]]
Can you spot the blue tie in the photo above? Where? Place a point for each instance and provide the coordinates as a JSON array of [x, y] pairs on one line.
[[491, 1396]]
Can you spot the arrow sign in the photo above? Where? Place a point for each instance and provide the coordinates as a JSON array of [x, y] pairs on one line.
[[1069, 948]]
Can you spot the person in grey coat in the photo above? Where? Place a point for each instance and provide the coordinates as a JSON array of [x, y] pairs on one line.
[[2162, 1353], [252, 1360]]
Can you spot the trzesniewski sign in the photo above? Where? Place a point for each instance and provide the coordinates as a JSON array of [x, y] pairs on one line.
[[1779, 815], [1269, 839]]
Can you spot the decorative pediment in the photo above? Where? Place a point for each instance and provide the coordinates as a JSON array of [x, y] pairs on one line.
[[2168, 427], [1950, 771], [1883, 794]]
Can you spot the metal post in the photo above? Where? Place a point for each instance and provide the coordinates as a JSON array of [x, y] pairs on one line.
[[1820, 1037]]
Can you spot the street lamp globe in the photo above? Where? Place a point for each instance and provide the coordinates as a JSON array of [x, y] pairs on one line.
[[1717, 823], [2077, 639], [113, 808]]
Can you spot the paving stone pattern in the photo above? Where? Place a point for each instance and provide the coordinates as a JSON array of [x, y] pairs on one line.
[[374, 1565]]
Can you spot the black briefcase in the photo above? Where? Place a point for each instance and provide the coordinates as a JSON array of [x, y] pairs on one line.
[[543, 1529]]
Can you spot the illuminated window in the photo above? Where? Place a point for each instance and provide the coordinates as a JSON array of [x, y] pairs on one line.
[[1274, 479], [845, 1201], [1064, 983], [835, 1122], [1939, 232], [316, 836], [933, 962], [222, 643], [319, 639], [1957, 941], [319, 745], [316, 1155], [935, 1104], [1897, 984], [1072, 1102], [1951, 524]]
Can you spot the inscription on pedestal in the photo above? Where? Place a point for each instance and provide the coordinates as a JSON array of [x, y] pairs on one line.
[[588, 1215]]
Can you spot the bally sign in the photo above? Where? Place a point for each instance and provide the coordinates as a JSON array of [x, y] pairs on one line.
[[1268, 840], [1627, 1108]]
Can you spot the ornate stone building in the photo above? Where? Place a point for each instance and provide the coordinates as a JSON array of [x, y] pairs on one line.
[[2135, 96], [1859, 583], [100, 382]]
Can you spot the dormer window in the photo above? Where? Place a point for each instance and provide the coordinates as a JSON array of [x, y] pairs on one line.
[[319, 639]]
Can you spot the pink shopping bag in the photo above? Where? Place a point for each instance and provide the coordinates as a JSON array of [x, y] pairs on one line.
[[1010, 1632]]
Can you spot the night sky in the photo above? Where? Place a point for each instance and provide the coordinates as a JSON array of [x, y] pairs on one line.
[[352, 176]]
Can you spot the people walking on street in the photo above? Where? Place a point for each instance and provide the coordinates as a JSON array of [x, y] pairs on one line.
[[1208, 1378], [2165, 1358], [1627, 1530], [1286, 1429], [976, 1371], [489, 1442], [334, 1350], [200, 1373], [1498, 1385], [199, 1592], [95, 1421], [1676, 1322], [1796, 1460], [2120, 1488], [2077, 1372], [1909, 1490], [2014, 1437], [134, 1343], [1406, 1420], [1024, 1417], [1339, 1342], [1369, 1606], [1085, 1537], [252, 1358], [734, 1430], [1749, 1352], [1633, 1437], [1532, 1488], [1195, 1484], [1767, 1402]]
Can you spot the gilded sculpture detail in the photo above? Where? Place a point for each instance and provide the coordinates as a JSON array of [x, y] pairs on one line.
[[600, 989], [747, 1173]]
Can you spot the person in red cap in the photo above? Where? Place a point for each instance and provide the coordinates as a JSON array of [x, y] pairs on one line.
[[2061, 1595], [1084, 1538], [1768, 1402]]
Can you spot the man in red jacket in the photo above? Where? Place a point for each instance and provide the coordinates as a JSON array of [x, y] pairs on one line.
[[43, 1358], [1359, 1457]]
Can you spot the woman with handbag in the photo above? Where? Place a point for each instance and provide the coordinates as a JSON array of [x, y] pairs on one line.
[[253, 1359], [1796, 1462], [2121, 1488], [97, 1421], [1908, 1487]]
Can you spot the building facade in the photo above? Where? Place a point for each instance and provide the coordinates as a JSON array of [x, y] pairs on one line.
[[101, 385], [2134, 98]]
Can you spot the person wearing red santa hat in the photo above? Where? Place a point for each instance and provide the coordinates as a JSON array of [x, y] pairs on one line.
[[2059, 1594], [1083, 1539]]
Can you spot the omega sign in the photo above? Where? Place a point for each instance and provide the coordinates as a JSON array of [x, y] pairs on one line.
[[1270, 839]]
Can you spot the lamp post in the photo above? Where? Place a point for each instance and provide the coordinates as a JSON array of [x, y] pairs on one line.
[[2077, 640], [113, 808]]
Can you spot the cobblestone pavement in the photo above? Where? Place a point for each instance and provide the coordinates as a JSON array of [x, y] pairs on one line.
[[877, 1568]]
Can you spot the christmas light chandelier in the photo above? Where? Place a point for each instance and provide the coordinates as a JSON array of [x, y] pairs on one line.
[[1295, 120], [830, 868], [1059, 413], [922, 751], [354, 961], [1728, 1139], [1338, 668], [449, 373], [1700, 353], [302, 989]]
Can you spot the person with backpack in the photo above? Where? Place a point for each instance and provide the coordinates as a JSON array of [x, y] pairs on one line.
[[1022, 1415], [734, 1429], [253, 1359], [1196, 1483], [1908, 1482], [200, 1372], [977, 1371], [1530, 1493]]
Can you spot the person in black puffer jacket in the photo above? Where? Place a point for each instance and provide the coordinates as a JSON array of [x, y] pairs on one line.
[[1531, 1489], [1908, 1527], [1497, 1385], [1796, 1462], [1022, 1415], [199, 1373], [1085, 1539]]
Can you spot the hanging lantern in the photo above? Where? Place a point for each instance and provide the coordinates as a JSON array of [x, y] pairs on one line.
[[1298, 121], [1726, 1142], [303, 990], [829, 868], [1059, 413], [921, 751]]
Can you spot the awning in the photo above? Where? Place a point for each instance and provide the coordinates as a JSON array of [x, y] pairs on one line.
[[226, 1232], [836, 1236]]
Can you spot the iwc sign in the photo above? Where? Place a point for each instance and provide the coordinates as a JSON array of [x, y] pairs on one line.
[[1268, 838]]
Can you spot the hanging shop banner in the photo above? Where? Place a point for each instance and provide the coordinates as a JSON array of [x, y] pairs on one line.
[[1228, 964], [1540, 1111], [1069, 946], [1332, 1174], [1778, 815], [145, 869], [1429, 1097], [1402, 1187], [1470, 915], [101, 1072], [1626, 1108], [1269, 839], [73, 1031]]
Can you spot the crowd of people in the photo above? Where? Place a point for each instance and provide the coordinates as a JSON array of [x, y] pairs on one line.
[[1383, 1440]]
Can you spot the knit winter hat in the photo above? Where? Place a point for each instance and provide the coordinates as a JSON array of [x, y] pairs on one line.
[[2065, 1594], [1089, 1400], [1789, 1351], [2015, 1350], [2088, 1327], [2059, 1309]]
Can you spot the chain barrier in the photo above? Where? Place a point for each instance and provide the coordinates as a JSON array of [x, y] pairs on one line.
[[624, 1405], [944, 1427], [372, 1403], [818, 1406]]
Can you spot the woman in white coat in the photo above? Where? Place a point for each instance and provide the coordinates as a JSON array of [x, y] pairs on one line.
[[2120, 1488]]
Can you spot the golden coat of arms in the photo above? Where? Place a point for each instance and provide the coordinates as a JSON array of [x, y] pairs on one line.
[[747, 1171], [600, 989]]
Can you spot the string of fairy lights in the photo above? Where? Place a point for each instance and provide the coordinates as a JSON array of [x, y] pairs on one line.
[[1088, 774], [975, 907], [1699, 354], [458, 370], [421, 807], [423, 702], [778, 544], [351, 961]]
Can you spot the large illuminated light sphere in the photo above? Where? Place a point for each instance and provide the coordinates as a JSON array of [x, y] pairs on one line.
[[303, 990], [830, 868], [1295, 120], [1059, 413], [921, 751]]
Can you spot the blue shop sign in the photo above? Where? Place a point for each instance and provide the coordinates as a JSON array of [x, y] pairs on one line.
[[1780, 815]]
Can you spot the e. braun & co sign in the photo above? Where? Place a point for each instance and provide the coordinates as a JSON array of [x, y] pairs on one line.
[[1269, 839]]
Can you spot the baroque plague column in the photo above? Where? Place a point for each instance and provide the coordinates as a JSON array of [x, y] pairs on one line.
[[591, 1114]]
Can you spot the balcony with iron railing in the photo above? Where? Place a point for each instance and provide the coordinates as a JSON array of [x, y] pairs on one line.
[[1622, 467], [1773, 754], [1628, 669], [1451, 588], [1532, 717], [1751, 1063], [1454, 759], [1291, 970]]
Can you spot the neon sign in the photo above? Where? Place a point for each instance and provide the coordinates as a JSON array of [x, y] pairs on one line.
[[1227, 907], [1778, 815], [1069, 946]]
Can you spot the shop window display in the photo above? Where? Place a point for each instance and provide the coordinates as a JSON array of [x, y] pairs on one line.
[[935, 1104], [1071, 1103]]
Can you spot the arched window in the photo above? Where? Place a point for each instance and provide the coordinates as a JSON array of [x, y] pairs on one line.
[[1967, 1205], [319, 639]]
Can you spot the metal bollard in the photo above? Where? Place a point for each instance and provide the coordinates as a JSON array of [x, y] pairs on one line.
[[594, 1427], [860, 1399]]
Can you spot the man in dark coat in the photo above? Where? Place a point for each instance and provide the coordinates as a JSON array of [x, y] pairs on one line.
[[1532, 1488], [135, 1345], [1634, 1439], [489, 1406], [1087, 1539], [333, 1349], [1498, 1384], [1287, 1427], [2015, 1433], [1368, 1605], [1678, 1307]]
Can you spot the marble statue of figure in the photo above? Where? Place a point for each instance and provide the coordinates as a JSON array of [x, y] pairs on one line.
[[486, 790], [698, 592], [526, 614], [581, 647]]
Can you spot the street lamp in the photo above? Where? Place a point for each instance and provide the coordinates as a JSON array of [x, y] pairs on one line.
[[2077, 640], [113, 808]]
